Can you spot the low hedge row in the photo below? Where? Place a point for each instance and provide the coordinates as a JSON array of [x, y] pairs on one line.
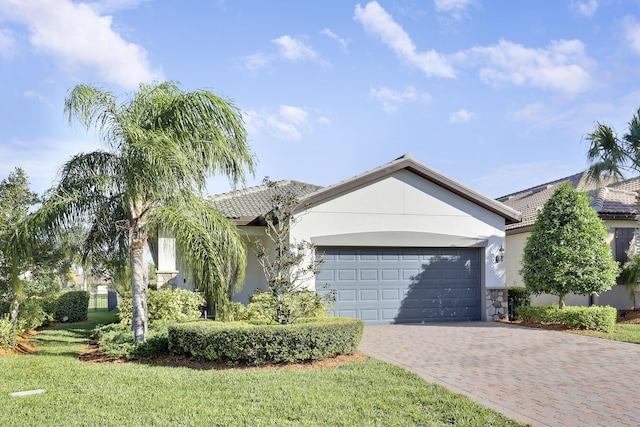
[[250, 344], [594, 318]]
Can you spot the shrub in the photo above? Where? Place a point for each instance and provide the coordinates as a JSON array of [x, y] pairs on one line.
[[30, 316], [74, 305], [49, 306], [547, 314], [593, 318], [301, 304], [234, 311], [241, 342], [166, 305], [7, 334], [517, 297], [116, 340]]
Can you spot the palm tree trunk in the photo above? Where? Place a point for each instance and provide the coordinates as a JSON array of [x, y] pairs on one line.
[[13, 310], [138, 239]]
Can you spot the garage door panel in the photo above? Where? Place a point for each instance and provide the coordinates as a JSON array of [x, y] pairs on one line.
[[392, 294], [389, 274], [346, 295], [368, 274], [403, 285], [369, 295]]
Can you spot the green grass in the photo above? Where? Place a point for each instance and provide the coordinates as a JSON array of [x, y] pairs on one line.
[[102, 317], [367, 393], [622, 332]]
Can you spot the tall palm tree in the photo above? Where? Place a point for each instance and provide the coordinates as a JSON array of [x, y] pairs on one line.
[[611, 155], [161, 146]]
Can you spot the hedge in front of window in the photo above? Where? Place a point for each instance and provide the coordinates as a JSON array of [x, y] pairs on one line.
[[242, 342]]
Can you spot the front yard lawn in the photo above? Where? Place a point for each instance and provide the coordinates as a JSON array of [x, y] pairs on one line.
[[365, 393]]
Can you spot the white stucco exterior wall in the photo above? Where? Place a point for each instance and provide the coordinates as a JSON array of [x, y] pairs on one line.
[[405, 210]]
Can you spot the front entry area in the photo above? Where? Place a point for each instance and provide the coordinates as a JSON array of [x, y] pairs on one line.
[[403, 285]]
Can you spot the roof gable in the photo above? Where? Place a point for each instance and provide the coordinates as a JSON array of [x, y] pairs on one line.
[[407, 162]]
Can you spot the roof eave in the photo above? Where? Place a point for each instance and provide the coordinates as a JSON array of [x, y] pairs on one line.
[[510, 215]]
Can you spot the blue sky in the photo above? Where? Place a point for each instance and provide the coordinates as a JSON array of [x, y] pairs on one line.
[[498, 95]]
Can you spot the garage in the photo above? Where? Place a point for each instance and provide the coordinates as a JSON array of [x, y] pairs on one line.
[[403, 285]]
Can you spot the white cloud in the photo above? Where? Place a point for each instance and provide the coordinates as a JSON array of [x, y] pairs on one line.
[[289, 122], [7, 43], [378, 22], [289, 48], [78, 38], [295, 50], [108, 6], [461, 116], [455, 8], [296, 115], [41, 169], [391, 99], [257, 61], [343, 43], [585, 8], [34, 95], [562, 66], [632, 32]]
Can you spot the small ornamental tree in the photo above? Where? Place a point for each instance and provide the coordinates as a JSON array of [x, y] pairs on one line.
[[567, 251], [290, 265]]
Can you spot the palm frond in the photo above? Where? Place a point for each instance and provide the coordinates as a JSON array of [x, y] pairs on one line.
[[211, 251], [606, 152]]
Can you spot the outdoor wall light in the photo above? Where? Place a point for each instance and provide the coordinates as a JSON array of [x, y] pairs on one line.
[[500, 255]]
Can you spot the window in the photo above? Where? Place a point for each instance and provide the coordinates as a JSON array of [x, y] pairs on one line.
[[622, 243]]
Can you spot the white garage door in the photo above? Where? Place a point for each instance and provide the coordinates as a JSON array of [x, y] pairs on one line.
[[403, 285]]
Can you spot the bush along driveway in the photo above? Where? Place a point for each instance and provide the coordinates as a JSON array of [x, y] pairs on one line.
[[545, 378], [366, 393]]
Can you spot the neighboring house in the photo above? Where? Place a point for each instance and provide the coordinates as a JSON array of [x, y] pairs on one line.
[[401, 243], [616, 203]]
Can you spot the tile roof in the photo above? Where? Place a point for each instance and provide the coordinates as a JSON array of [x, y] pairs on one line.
[[249, 205], [610, 198]]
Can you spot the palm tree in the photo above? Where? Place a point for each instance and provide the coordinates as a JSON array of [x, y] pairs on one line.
[[612, 155], [161, 146]]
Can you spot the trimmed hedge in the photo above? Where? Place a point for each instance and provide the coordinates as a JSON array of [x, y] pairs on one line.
[[593, 318], [250, 344], [74, 305]]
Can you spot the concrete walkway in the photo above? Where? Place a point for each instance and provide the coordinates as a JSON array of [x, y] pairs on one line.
[[544, 378]]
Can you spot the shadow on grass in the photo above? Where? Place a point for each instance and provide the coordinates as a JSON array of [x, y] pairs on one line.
[[63, 340]]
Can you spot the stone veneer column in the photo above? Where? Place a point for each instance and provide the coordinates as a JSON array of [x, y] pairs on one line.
[[497, 304]]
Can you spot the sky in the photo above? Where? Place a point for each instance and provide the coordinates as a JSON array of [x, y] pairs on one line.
[[498, 95]]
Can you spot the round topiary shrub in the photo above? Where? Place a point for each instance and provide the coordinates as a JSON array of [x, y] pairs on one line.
[[251, 344]]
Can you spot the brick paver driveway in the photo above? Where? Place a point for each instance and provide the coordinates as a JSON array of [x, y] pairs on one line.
[[541, 377]]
